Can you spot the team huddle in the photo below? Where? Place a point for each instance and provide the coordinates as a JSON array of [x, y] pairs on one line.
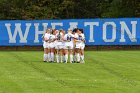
[[60, 46]]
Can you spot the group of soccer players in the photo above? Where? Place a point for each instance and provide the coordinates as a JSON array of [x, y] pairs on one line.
[[58, 45]]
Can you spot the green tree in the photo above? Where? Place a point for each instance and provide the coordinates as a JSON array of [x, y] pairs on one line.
[[65, 9], [119, 8]]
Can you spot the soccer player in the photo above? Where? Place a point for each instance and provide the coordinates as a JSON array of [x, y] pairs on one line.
[[51, 45], [68, 38], [82, 45], [45, 44], [77, 47], [74, 44], [55, 44], [59, 46], [63, 50]]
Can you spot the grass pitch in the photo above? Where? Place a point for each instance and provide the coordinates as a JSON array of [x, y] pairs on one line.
[[103, 72]]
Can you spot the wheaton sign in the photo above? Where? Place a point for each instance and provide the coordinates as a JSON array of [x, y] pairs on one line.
[[123, 31]]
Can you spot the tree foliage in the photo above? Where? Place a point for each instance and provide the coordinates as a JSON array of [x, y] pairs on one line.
[[65, 9]]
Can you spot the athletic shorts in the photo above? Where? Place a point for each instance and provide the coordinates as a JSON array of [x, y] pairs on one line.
[[82, 46], [51, 45], [68, 47], [45, 45], [59, 47], [78, 46]]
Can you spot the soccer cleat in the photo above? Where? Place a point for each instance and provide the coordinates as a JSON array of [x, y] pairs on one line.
[[82, 61], [64, 62], [74, 62], [78, 61], [51, 61]]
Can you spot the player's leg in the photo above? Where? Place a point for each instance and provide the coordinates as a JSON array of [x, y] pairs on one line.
[[52, 52], [82, 53], [77, 49], [74, 53], [49, 52], [78, 55], [57, 53], [45, 56], [57, 56], [66, 54], [60, 56], [71, 53], [63, 53]]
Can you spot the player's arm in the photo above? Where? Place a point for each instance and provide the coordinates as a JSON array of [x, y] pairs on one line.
[[53, 40], [43, 38], [46, 39], [59, 40], [76, 40], [82, 38], [62, 38], [65, 39], [72, 36]]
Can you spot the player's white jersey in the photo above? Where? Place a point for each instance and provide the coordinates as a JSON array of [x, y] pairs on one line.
[[82, 46], [46, 36], [45, 44], [80, 39], [59, 38], [59, 42], [83, 38], [51, 38], [51, 41], [55, 42], [77, 38], [69, 41]]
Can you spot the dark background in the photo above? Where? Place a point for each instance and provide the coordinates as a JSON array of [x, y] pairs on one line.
[[67, 9]]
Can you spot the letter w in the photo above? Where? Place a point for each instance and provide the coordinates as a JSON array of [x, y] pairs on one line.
[[23, 38]]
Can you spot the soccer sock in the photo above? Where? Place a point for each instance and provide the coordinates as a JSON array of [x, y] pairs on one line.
[[52, 56], [57, 58], [49, 56], [45, 57], [78, 57], [66, 58], [82, 57], [71, 58]]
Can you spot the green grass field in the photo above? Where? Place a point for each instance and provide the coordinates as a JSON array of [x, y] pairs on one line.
[[103, 72]]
